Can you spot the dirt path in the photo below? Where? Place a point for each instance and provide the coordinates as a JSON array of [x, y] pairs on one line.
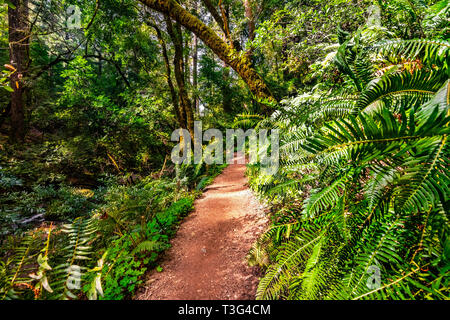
[[207, 257]]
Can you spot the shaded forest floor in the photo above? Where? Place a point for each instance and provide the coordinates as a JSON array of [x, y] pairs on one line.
[[207, 259]]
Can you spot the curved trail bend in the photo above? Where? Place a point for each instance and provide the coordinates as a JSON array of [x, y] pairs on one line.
[[207, 259]]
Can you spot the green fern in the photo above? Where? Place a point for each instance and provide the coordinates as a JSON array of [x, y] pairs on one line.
[[364, 182], [68, 274], [16, 269]]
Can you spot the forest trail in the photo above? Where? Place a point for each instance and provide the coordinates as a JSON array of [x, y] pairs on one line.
[[207, 259]]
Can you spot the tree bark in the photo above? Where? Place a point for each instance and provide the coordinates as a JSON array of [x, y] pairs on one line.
[[177, 39], [222, 24], [179, 113], [187, 54], [226, 91], [284, 53], [250, 19], [195, 66], [240, 63], [208, 4], [19, 57]]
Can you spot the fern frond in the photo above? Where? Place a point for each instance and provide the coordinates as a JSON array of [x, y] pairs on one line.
[[68, 275], [148, 245], [247, 120], [289, 262], [433, 52], [405, 89], [324, 198], [17, 268]]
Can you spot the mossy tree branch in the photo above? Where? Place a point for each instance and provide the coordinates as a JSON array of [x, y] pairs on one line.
[[239, 62]]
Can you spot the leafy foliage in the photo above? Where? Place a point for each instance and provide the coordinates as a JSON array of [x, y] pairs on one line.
[[368, 186], [89, 198]]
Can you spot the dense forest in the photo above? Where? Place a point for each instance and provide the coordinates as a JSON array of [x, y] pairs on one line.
[[93, 90]]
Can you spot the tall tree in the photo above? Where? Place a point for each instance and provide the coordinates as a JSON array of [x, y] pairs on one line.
[[19, 40], [250, 20], [173, 93], [226, 92], [176, 35], [195, 65]]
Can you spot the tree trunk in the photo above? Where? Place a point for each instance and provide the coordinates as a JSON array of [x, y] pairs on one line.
[[187, 54], [176, 105], [226, 91], [222, 24], [177, 39], [250, 21], [19, 58], [240, 63], [195, 66], [284, 53], [225, 88], [217, 17]]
